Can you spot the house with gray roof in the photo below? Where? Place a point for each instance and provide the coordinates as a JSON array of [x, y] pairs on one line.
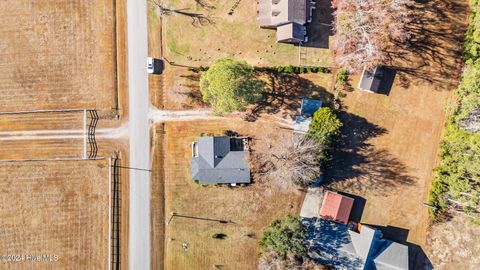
[[219, 160], [288, 17], [337, 245]]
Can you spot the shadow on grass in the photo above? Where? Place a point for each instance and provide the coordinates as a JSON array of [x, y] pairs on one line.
[[320, 29], [358, 164], [433, 53], [190, 96], [283, 95], [325, 241], [357, 208]]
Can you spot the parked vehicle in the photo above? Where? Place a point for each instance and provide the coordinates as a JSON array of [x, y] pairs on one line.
[[154, 65]]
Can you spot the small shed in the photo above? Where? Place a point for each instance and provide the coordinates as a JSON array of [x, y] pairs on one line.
[[307, 109], [310, 106], [377, 80], [371, 79], [336, 207]]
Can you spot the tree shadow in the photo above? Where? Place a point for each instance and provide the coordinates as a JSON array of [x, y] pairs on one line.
[[283, 96], [189, 95], [358, 165], [325, 241], [320, 29], [198, 19], [433, 53]]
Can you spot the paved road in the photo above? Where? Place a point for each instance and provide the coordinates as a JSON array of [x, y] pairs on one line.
[[139, 242]]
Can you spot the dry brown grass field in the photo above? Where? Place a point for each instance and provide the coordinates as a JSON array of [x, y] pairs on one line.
[[41, 149], [57, 55], [41, 121], [250, 209], [55, 208]]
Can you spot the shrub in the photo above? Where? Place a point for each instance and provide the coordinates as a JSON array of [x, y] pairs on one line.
[[230, 85], [342, 77], [289, 69], [286, 237], [219, 236]]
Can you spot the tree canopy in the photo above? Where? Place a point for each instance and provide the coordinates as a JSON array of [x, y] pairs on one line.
[[456, 183], [230, 85], [364, 29], [286, 237], [324, 128]]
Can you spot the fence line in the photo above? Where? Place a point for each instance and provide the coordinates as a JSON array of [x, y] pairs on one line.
[[116, 216]]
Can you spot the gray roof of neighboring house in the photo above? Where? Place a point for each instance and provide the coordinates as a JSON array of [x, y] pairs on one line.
[[393, 257], [217, 164], [334, 244], [291, 33], [278, 12]]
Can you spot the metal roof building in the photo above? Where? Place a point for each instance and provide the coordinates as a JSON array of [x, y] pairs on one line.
[[219, 160], [377, 80], [336, 207]]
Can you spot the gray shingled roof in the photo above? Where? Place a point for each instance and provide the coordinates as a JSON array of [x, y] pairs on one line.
[[291, 33], [334, 244], [217, 164], [278, 12]]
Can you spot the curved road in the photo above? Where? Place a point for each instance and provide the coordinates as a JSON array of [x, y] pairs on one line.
[[138, 104]]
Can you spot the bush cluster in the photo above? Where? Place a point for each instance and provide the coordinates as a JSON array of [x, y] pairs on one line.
[[286, 237], [296, 69]]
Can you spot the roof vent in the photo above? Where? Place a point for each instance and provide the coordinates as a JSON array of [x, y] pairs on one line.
[[275, 13], [275, 2]]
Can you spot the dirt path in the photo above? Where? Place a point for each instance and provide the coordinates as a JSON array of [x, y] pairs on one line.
[[163, 116]]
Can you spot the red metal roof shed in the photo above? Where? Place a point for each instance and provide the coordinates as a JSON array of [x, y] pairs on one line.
[[336, 207]]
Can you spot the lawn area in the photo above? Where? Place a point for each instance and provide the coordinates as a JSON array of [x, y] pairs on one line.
[[181, 90], [387, 152], [224, 33], [248, 209]]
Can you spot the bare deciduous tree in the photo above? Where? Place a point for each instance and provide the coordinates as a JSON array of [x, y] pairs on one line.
[[288, 160], [364, 29], [472, 122], [270, 260], [198, 19]]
